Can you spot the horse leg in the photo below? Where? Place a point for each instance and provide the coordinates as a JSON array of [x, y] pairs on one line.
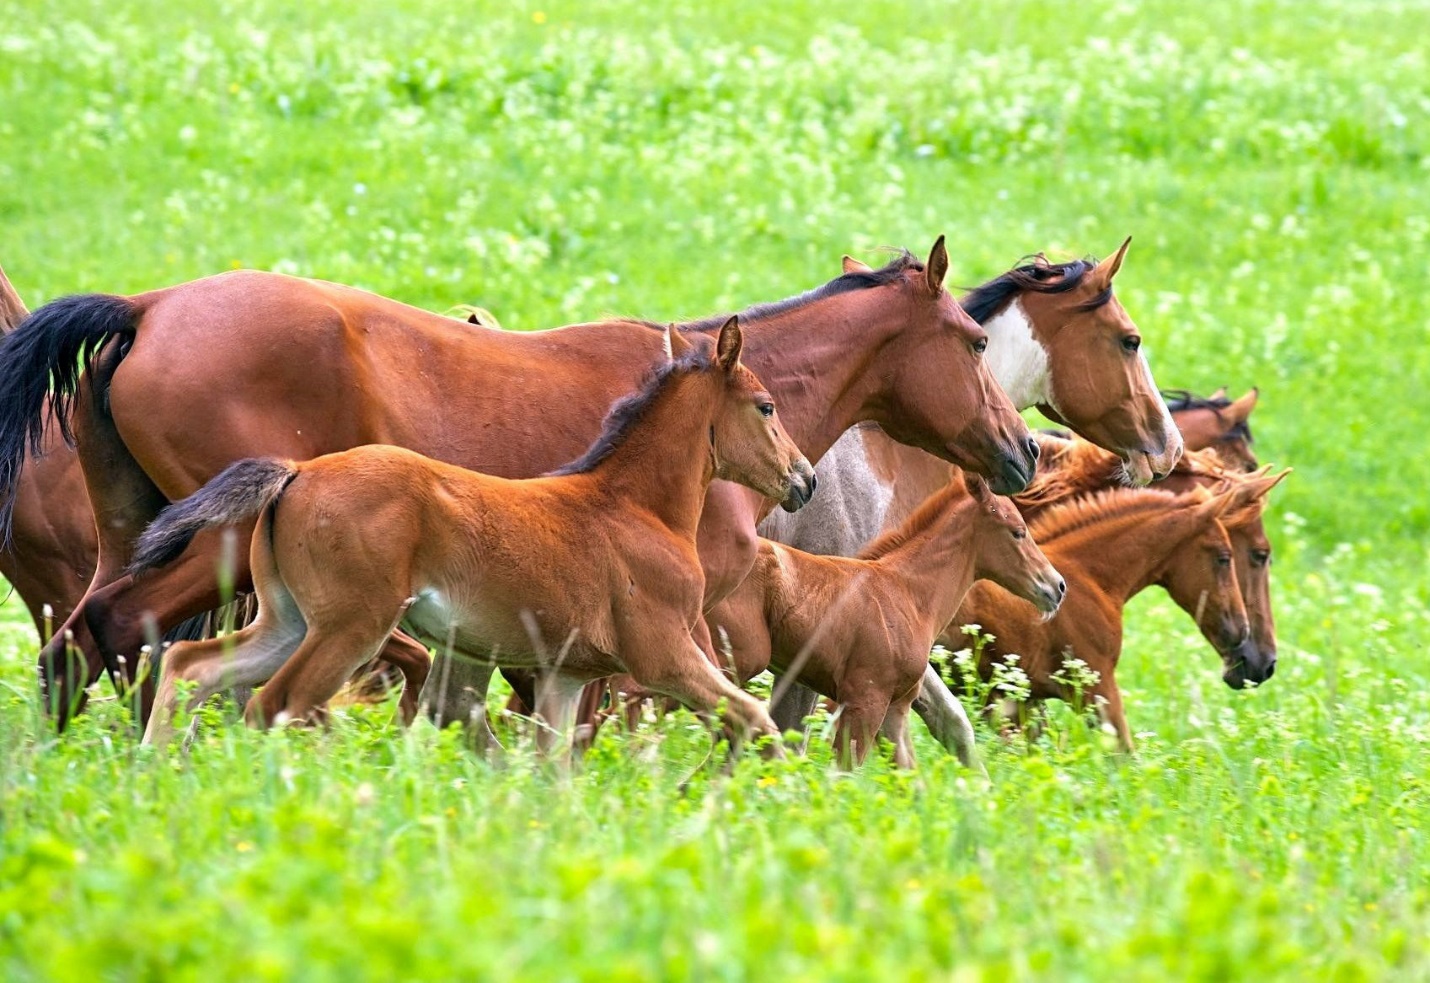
[[589, 718], [947, 720], [124, 501], [412, 660], [794, 706], [337, 643], [896, 729], [457, 688], [857, 730], [246, 658], [556, 697], [683, 671], [1109, 708]]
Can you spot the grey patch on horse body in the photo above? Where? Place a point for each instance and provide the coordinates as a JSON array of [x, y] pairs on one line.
[[849, 510]]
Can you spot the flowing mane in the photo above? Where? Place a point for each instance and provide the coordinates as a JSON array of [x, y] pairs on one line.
[[916, 523], [1069, 467], [1068, 517], [628, 411], [981, 303], [890, 272]]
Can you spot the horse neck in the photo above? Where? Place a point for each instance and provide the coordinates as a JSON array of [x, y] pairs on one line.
[[1016, 358], [665, 464], [935, 560], [1123, 554], [820, 361]]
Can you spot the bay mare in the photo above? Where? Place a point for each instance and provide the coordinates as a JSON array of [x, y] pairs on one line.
[[187, 380], [1058, 340], [584, 573]]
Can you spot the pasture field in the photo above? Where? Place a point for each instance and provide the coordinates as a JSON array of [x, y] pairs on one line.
[[555, 161]]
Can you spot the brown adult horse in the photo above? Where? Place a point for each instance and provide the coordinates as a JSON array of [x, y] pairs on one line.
[[251, 364], [582, 574], [50, 555], [1058, 339], [1110, 547], [860, 630]]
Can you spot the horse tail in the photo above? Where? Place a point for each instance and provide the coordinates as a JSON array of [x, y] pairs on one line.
[[240, 492], [51, 346]]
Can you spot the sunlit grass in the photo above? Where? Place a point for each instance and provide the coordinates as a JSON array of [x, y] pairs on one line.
[[1271, 160]]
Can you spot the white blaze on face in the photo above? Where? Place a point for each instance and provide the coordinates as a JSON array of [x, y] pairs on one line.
[[1017, 359], [1171, 436]]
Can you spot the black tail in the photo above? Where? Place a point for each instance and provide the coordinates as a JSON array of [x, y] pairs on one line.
[[52, 345], [239, 493]]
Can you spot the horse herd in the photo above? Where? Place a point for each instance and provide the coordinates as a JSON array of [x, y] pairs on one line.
[[591, 508]]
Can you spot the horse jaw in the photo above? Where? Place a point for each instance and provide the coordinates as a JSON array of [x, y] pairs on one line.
[[1017, 359]]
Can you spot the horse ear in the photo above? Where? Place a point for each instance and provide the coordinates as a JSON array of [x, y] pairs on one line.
[[852, 265], [676, 344], [1265, 482], [727, 349], [1219, 394], [937, 266], [978, 488], [1240, 410], [1103, 273], [12, 308], [1040, 260]]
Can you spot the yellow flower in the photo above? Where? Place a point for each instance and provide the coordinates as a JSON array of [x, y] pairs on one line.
[[767, 781]]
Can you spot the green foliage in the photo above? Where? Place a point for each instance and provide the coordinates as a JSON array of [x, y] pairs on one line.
[[551, 163]]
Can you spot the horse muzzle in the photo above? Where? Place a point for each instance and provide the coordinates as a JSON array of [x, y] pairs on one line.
[[802, 482], [1048, 597], [1247, 663], [1016, 469]]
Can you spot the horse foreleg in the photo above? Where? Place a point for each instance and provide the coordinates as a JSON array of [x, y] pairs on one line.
[[1109, 709], [947, 721], [556, 697], [857, 729]]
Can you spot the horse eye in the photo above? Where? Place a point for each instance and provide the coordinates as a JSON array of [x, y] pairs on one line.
[[1223, 560], [1261, 557], [767, 409], [981, 345], [1131, 343], [1020, 534]]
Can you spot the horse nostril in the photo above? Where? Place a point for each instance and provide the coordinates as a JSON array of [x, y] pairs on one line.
[[1031, 445], [1062, 587], [813, 483]]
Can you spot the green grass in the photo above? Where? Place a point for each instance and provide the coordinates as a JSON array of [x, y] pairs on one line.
[[1271, 160]]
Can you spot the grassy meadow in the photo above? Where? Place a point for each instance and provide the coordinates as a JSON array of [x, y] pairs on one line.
[[554, 161]]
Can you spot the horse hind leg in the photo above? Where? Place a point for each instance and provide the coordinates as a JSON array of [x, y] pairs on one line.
[[124, 501], [340, 638], [247, 658]]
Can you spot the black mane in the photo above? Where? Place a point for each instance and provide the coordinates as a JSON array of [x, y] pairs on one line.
[[981, 303], [1178, 400], [628, 411]]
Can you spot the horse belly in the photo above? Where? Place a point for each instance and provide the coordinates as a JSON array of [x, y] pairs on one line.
[[500, 636]]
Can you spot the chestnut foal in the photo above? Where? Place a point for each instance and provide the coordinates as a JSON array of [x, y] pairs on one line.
[[1111, 546], [584, 573], [859, 630]]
